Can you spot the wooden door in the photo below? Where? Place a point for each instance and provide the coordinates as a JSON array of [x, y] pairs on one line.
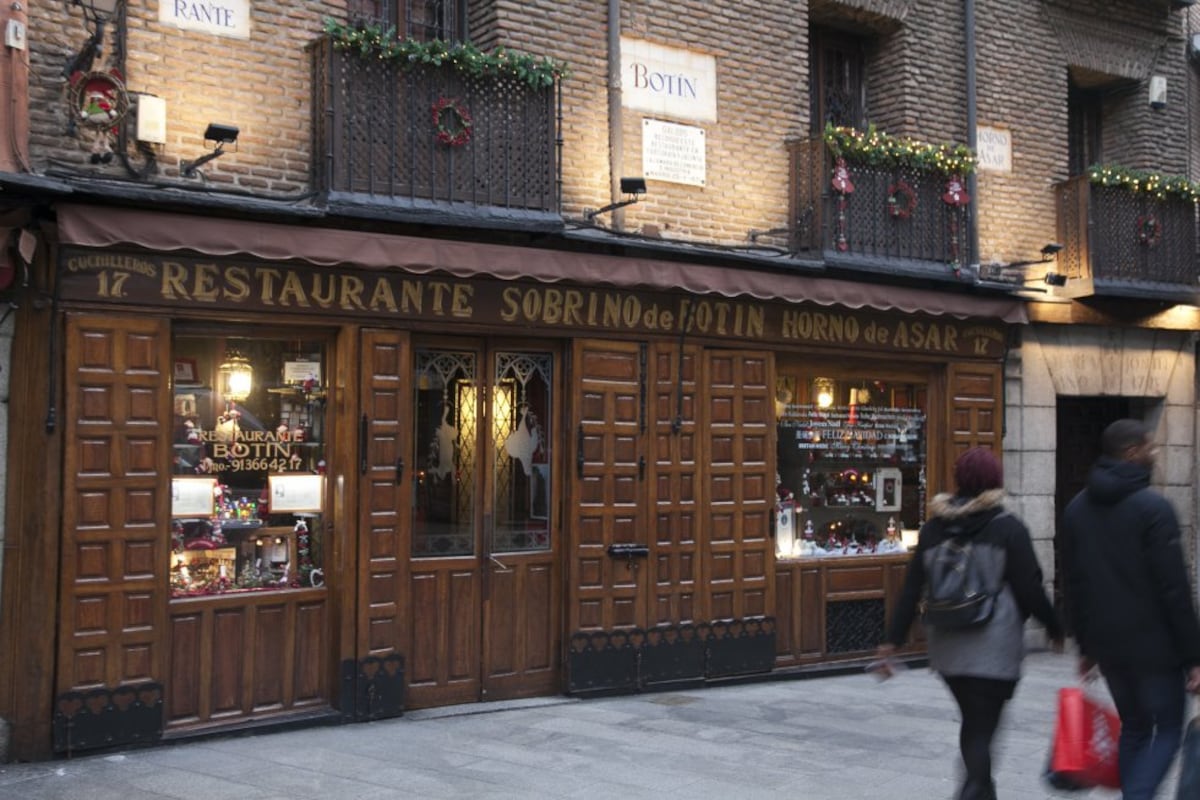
[[608, 506], [385, 464], [677, 487], [974, 414], [445, 573], [113, 583], [740, 445], [483, 575], [521, 588]]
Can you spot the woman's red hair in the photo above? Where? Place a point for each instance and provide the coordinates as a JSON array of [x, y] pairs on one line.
[[976, 471]]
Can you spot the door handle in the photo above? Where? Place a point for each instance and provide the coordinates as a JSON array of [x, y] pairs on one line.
[[500, 564], [362, 445], [399, 469], [579, 460]]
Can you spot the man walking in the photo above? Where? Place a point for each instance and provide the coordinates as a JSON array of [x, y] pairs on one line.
[[1130, 603]]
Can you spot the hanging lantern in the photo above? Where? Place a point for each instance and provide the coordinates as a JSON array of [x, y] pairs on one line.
[[823, 392], [237, 376]]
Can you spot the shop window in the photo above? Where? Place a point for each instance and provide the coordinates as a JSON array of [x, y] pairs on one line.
[[522, 433], [851, 461], [248, 472]]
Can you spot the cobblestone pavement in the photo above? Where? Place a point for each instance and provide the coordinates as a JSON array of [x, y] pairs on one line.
[[830, 738]]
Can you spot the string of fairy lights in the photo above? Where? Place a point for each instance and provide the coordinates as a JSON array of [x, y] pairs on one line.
[[878, 149], [1144, 181]]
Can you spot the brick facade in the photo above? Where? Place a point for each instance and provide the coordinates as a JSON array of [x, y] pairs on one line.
[[915, 86]]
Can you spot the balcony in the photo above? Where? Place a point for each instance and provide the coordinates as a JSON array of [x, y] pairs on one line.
[[377, 153], [1120, 243], [894, 221]]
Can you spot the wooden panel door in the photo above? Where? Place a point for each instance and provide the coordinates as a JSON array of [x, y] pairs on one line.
[[385, 494], [675, 485], [609, 506], [113, 584], [974, 412], [522, 595], [445, 574], [740, 496]]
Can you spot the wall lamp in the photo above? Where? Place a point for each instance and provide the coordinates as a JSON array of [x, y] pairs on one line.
[[632, 188], [215, 132], [1049, 252], [97, 13]]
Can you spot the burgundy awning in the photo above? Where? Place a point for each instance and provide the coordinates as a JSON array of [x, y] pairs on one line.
[[99, 226]]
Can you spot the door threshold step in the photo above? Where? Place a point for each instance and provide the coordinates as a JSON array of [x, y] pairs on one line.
[[489, 707]]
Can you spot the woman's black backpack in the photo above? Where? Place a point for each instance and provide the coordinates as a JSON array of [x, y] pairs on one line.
[[957, 593]]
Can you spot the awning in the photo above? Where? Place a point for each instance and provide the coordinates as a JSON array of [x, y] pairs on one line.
[[100, 226]]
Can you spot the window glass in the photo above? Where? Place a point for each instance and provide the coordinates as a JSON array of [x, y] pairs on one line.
[[522, 433], [446, 423], [248, 471], [851, 465]]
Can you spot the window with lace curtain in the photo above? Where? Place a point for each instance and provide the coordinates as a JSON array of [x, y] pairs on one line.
[[416, 19]]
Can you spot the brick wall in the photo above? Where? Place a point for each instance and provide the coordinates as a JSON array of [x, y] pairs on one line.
[[916, 86]]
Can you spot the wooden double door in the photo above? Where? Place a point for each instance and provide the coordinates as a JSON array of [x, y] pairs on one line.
[[458, 536]]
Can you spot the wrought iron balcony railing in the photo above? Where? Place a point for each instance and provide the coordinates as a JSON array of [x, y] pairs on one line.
[[1120, 243], [892, 220], [376, 143]]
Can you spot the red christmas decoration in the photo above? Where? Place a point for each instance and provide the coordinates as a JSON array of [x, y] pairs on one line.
[[956, 193]]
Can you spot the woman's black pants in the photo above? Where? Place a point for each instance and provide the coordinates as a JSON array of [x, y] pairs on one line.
[[981, 702]]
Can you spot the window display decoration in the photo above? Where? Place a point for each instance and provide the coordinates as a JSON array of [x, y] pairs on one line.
[[1149, 230], [901, 200], [452, 121], [237, 376], [823, 392]]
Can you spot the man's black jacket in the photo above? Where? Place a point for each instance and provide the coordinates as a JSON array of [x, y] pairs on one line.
[[1128, 594]]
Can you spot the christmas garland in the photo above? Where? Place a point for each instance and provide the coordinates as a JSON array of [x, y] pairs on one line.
[[1138, 181], [457, 131], [1149, 230], [463, 57], [876, 149], [901, 200]]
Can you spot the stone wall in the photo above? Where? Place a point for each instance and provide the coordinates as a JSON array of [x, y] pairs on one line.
[[1159, 367]]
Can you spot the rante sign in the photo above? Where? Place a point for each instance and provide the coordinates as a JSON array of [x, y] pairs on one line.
[[221, 17]]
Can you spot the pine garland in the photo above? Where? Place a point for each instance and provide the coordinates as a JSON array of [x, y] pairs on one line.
[[463, 57], [1138, 181], [877, 149]]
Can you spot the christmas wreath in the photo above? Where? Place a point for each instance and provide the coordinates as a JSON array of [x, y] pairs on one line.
[[453, 122], [1149, 229], [901, 200]]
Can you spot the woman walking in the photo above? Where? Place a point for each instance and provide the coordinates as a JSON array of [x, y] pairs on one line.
[[980, 664]]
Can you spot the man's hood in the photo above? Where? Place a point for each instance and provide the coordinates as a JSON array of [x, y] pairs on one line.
[[1111, 481]]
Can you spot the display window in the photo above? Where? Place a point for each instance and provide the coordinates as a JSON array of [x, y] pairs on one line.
[[851, 460], [248, 474]]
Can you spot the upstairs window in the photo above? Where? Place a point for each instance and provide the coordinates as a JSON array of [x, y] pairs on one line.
[[838, 81], [415, 19], [1084, 116]]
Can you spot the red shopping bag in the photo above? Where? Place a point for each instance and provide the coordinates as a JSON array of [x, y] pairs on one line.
[[1085, 741]]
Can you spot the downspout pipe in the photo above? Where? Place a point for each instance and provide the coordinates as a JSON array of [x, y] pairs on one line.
[[972, 134], [616, 138]]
